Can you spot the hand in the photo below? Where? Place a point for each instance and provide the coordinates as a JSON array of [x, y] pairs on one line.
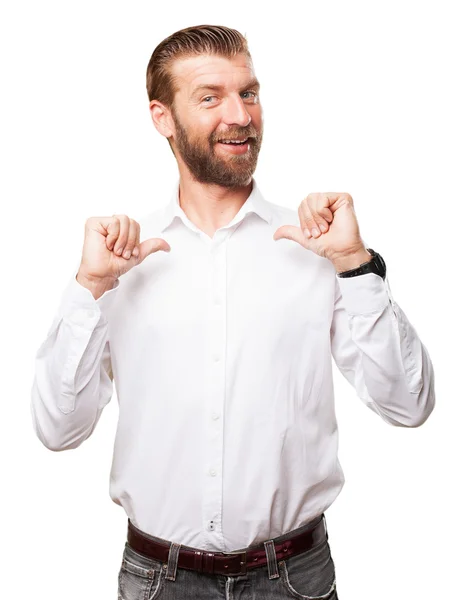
[[339, 238], [106, 243]]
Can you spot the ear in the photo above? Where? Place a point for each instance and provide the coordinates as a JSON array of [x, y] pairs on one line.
[[161, 117]]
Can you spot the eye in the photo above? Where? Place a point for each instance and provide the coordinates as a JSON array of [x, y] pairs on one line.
[[250, 92], [206, 98]]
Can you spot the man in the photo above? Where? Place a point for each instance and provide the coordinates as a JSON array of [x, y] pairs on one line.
[[225, 456]]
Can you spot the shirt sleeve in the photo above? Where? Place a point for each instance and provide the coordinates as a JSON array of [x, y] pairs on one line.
[[73, 378], [379, 352]]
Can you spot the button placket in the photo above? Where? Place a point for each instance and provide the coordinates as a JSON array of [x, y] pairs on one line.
[[216, 386]]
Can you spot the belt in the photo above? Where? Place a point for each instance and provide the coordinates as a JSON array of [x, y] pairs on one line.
[[228, 563]]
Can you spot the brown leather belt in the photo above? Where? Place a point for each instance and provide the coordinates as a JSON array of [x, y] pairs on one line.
[[228, 563]]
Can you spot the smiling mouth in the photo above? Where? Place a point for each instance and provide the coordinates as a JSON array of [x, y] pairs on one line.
[[241, 143], [236, 142]]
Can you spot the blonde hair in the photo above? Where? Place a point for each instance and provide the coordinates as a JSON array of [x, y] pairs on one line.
[[191, 41]]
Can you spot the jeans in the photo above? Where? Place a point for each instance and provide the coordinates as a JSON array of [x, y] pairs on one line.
[[306, 576]]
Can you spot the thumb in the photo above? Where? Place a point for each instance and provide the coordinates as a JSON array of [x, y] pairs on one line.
[[152, 245], [291, 232]]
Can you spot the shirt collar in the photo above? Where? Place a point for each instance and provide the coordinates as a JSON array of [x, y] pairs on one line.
[[255, 203]]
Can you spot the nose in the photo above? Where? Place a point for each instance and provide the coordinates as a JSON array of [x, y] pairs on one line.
[[235, 111]]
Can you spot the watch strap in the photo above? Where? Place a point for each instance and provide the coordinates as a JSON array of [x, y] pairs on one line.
[[375, 265]]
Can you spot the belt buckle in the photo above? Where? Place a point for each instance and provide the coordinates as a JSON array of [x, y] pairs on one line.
[[243, 562]]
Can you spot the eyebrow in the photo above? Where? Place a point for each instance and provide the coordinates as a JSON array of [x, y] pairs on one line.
[[206, 86]]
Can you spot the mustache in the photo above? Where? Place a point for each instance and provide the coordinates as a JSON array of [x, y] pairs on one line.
[[239, 135]]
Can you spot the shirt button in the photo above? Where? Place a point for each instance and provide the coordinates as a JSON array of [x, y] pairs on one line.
[[215, 416], [210, 526], [216, 358], [91, 313], [213, 472]]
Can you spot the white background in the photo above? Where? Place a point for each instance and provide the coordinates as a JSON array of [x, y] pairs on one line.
[[364, 97]]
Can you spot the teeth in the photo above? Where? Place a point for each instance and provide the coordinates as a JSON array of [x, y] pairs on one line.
[[233, 141]]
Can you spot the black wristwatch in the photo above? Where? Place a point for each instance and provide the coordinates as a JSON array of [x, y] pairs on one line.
[[375, 265]]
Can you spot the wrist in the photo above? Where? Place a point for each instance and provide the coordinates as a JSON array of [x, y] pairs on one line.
[[96, 285], [351, 260]]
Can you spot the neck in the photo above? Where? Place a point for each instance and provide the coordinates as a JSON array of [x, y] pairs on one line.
[[210, 206]]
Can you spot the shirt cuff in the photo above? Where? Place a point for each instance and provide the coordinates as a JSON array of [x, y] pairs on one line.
[[77, 297], [365, 293]]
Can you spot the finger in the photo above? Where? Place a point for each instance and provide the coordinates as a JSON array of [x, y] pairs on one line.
[[303, 222], [132, 239], [136, 250], [113, 230], [337, 199], [291, 232], [318, 208], [323, 208], [311, 223], [152, 245], [326, 214], [123, 235], [320, 220]]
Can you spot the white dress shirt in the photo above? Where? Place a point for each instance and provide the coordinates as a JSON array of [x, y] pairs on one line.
[[221, 351]]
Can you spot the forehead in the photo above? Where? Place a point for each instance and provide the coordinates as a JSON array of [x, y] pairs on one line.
[[190, 72]]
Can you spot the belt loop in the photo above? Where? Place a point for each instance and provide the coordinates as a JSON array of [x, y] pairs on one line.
[[271, 559], [208, 562], [172, 561], [198, 560]]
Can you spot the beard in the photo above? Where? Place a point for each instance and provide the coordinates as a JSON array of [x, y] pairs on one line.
[[206, 166]]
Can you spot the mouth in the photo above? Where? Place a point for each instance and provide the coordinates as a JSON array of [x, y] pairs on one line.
[[238, 146]]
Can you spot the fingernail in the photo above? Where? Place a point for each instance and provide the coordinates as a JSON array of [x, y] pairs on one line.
[[119, 250], [322, 227], [127, 254], [315, 231], [307, 232]]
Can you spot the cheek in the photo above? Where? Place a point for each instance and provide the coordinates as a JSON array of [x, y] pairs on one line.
[[257, 118], [206, 122]]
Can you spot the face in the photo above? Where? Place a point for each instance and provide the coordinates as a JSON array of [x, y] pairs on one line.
[[218, 100]]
